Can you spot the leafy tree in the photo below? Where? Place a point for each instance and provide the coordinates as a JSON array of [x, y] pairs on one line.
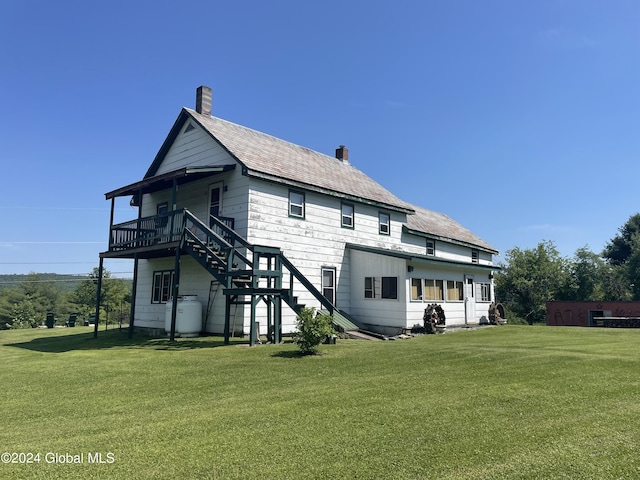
[[24, 315], [623, 251], [530, 278], [115, 295], [620, 248]]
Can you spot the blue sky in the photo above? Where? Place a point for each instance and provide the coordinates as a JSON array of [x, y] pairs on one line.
[[520, 120]]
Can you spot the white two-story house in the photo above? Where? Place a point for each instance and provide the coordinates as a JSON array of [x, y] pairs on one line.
[[255, 227]]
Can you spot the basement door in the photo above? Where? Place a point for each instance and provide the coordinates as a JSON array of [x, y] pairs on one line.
[[469, 300]]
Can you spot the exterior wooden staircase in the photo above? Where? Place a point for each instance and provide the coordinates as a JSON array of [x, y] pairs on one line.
[[246, 270]]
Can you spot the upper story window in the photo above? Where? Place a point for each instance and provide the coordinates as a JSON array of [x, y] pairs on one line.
[[384, 224], [347, 215], [296, 204], [431, 247], [475, 256]]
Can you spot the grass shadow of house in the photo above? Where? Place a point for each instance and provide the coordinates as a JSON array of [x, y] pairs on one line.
[[117, 340]]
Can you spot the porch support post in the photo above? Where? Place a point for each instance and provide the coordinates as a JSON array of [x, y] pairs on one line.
[[176, 286], [270, 301], [252, 328], [174, 195], [134, 289], [227, 318], [113, 200], [138, 226], [98, 297], [277, 320]]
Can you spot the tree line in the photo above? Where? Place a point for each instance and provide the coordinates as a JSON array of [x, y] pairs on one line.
[[531, 277], [25, 303]]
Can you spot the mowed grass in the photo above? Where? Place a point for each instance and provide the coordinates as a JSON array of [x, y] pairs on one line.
[[506, 402]]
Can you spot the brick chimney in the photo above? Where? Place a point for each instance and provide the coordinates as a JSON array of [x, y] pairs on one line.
[[342, 154], [203, 100]]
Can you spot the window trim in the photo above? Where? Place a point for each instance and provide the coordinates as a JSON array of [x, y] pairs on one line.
[[352, 217], [420, 293], [433, 247], [485, 288], [302, 205], [457, 285], [380, 224], [333, 287], [377, 288], [158, 294], [434, 283]]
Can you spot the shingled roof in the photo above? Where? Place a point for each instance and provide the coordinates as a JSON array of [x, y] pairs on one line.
[[440, 226], [271, 158]]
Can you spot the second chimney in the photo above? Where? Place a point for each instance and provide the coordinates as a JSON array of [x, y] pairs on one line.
[[203, 100], [342, 154]]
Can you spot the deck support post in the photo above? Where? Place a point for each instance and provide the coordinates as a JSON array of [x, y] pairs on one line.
[[176, 289], [227, 318], [98, 297], [277, 320], [252, 328], [134, 289]]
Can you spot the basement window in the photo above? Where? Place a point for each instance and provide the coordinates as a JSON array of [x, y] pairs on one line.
[[296, 204], [162, 286]]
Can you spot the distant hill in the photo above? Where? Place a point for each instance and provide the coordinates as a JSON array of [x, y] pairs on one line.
[[65, 282]]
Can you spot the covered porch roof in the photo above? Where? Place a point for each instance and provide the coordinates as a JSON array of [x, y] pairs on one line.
[[166, 180], [426, 259]]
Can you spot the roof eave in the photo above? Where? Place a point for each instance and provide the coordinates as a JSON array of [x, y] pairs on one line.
[[427, 259], [155, 183], [420, 233], [314, 188]]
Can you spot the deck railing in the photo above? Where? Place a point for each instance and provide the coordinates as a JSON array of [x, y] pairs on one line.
[[155, 230]]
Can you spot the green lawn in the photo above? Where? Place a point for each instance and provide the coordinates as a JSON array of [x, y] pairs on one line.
[[504, 402]]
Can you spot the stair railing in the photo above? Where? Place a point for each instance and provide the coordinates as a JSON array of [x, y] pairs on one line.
[[297, 274]]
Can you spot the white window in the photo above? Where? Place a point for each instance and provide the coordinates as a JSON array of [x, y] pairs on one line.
[[485, 292], [162, 286], [296, 204], [454, 291], [384, 224], [416, 289], [431, 247], [347, 215], [433, 290], [475, 256]]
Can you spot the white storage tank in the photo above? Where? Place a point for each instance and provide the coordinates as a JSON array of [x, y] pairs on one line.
[[188, 316]]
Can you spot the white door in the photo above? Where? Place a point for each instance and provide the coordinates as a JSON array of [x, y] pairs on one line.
[[215, 200], [469, 300]]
